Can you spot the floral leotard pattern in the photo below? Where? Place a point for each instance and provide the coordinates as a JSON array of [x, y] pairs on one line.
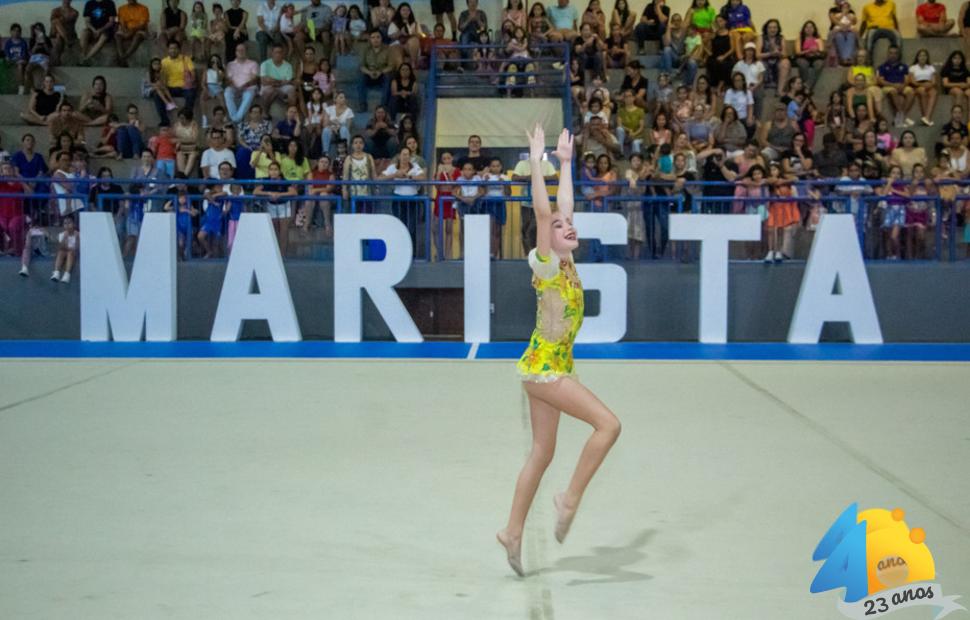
[[559, 315]]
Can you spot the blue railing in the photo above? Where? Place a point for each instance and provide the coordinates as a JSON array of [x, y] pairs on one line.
[[918, 233]]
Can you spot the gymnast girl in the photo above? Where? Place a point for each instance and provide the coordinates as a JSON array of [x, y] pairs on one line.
[[546, 367]]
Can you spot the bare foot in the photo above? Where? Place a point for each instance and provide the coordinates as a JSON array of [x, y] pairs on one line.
[[513, 548], [565, 512]]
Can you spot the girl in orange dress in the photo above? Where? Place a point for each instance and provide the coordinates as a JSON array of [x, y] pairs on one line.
[[783, 215]]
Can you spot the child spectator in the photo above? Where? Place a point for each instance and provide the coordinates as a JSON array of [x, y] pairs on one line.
[[198, 30], [444, 204], [277, 194], [322, 173], [40, 51], [164, 147], [931, 19], [469, 195], [67, 246], [184, 213], [495, 203]]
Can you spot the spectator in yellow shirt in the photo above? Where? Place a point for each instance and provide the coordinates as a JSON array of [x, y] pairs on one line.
[[133, 21], [178, 75], [879, 22]]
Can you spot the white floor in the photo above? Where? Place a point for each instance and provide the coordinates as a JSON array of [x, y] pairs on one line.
[[361, 489]]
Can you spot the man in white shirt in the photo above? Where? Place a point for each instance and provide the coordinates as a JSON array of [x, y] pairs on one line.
[[242, 80], [268, 24], [216, 154]]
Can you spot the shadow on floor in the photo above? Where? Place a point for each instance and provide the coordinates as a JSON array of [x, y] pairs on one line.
[[608, 562]]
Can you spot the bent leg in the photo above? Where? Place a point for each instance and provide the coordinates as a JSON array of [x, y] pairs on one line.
[[575, 399]]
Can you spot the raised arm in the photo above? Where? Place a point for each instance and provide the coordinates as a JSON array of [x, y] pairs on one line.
[[564, 153], [540, 196]]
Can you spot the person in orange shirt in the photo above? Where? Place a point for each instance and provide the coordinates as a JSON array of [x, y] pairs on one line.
[[931, 20], [133, 21]]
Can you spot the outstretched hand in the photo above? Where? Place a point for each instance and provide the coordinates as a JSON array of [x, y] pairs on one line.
[[564, 149], [537, 142]]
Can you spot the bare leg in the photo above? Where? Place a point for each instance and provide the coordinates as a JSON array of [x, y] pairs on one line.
[[573, 398], [545, 424]]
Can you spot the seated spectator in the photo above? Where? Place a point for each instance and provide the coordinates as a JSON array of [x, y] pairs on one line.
[[623, 20], [440, 8], [213, 93], [375, 64], [216, 154], [797, 159], [809, 54], [595, 17], [406, 128], [17, 52], [405, 34], [39, 59], [44, 102], [337, 122], [590, 50], [539, 25], [893, 82], [831, 160], [675, 54], [97, 104], [357, 24], [908, 154], [631, 124], [923, 79], [404, 92], [288, 128], [242, 80], [186, 133], [178, 77], [473, 28], [252, 130], [237, 32], [262, 157], [776, 135], [132, 30], [292, 30], [197, 31], [843, 39], [731, 134], [931, 19], [276, 80], [617, 52], [775, 57], [101, 19], [173, 24], [701, 16], [380, 14], [739, 23], [68, 243], [721, 60], [653, 23], [699, 129], [564, 18], [863, 67], [318, 25], [597, 139], [381, 135], [956, 123], [268, 27], [66, 120], [63, 29], [215, 38], [740, 98], [956, 77], [879, 22], [753, 71]]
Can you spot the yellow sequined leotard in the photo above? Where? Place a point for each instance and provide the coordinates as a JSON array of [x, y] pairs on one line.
[[559, 315]]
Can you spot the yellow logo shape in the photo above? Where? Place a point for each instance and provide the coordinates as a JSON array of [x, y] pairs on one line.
[[895, 555]]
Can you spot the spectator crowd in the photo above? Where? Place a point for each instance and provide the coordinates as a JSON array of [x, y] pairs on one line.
[[256, 106]]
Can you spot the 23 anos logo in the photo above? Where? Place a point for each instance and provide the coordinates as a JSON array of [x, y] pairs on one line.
[[882, 564]]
